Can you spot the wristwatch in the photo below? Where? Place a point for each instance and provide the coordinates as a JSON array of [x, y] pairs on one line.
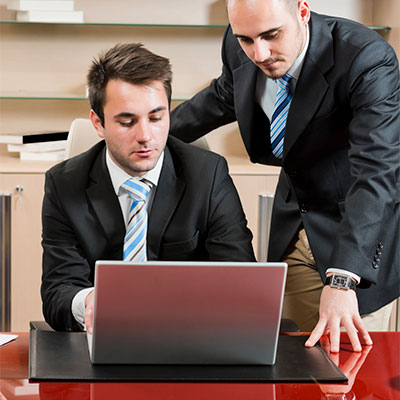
[[339, 281]]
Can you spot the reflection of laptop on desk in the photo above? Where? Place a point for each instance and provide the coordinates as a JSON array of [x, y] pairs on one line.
[[186, 312]]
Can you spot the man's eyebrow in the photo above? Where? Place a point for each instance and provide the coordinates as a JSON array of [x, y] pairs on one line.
[[131, 115], [158, 109], [268, 32], [124, 115]]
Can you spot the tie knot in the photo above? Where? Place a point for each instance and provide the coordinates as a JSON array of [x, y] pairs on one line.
[[284, 81], [137, 189]]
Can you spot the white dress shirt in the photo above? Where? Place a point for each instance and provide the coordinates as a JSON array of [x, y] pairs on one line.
[[118, 177]]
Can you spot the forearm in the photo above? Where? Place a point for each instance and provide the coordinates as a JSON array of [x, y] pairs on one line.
[[65, 268], [200, 115]]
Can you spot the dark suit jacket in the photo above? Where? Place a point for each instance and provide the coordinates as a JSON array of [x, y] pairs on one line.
[[196, 215], [340, 175]]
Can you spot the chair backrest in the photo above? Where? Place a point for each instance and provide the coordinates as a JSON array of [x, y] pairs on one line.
[[202, 143], [82, 136]]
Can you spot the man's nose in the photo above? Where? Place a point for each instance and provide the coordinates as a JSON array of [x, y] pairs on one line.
[[261, 50], [143, 132]]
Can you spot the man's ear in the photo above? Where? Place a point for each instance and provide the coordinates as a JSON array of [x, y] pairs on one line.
[[97, 123], [304, 11]]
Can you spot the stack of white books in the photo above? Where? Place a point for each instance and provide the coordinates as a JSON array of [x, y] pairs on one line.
[[37, 146], [45, 11]]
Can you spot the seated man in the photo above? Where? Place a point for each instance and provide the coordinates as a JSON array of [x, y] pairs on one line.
[[136, 195]]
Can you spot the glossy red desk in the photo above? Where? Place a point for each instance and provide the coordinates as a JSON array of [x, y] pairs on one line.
[[373, 374]]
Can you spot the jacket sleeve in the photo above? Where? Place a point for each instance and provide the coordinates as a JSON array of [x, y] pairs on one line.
[[210, 108], [65, 268], [374, 98], [228, 238]]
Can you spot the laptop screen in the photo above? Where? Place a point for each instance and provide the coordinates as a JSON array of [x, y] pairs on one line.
[[187, 313]]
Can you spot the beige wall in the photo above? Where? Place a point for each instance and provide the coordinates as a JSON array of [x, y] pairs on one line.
[[387, 12]]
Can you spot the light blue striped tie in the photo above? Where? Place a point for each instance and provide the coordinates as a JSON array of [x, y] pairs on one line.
[[278, 120], [136, 230]]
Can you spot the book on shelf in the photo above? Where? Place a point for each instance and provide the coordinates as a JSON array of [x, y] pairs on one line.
[[50, 16], [49, 5], [38, 147], [33, 137], [43, 156]]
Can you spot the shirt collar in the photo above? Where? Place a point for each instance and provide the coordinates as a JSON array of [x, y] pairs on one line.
[[119, 176]]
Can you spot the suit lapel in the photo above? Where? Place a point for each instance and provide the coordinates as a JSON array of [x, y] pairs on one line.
[[105, 203], [169, 191], [312, 84]]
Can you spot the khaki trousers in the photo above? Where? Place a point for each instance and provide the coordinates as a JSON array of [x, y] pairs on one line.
[[304, 287]]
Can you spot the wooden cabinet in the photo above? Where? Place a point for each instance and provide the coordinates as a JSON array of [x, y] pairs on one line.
[[25, 183]]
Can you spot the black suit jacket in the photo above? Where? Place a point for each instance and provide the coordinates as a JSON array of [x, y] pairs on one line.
[[340, 166], [196, 215]]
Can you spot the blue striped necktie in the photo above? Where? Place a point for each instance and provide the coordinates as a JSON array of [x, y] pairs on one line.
[[136, 230], [278, 120]]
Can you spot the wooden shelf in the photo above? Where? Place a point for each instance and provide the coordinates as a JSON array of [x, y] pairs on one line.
[[375, 28], [117, 24]]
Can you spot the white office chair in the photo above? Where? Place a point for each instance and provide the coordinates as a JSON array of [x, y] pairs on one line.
[[201, 143], [82, 136]]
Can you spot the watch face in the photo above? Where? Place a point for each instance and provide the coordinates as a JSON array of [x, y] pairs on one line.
[[340, 281]]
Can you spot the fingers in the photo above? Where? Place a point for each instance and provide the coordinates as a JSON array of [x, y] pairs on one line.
[[89, 312], [352, 334], [334, 336], [358, 322], [89, 319], [325, 344], [316, 334]]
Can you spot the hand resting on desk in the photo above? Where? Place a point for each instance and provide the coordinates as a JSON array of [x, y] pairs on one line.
[[339, 308], [89, 305]]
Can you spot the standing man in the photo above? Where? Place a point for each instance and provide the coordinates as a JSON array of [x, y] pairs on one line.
[[137, 195], [319, 96]]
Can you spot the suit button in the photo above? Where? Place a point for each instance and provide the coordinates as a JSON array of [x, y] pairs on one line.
[[380, 245], [379, 253], [304, 208], [377, 258], [374, 264]]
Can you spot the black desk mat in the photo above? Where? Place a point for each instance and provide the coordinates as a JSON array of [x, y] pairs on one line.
[[63, 356]]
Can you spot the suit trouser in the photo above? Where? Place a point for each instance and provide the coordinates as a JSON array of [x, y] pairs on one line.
[[304, 287]]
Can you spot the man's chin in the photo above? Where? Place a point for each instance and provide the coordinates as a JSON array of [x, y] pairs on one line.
[[140, 168], [273, 72]]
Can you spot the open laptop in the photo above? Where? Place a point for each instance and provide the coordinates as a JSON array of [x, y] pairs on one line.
[[186, 312]]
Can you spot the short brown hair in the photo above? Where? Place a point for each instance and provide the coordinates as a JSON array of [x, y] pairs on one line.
[[129, 62]]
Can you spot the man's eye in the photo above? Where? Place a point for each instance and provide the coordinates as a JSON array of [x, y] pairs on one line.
[[126, 124], [271, 36], [245, 40], [155, 119]]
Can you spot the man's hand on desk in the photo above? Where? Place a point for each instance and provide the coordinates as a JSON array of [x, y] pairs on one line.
[[89, 304], [339, 308]]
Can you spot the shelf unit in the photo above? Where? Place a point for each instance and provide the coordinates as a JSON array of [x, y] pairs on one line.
[[69, 49], [23, 94]]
